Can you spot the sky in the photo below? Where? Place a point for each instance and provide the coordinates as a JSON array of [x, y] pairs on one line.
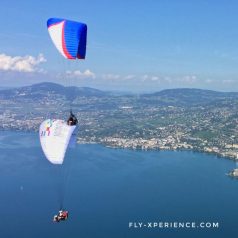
[[132, 45]]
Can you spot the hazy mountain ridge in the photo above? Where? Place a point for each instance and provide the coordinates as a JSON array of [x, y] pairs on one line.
[[189, 96], [37, 91]]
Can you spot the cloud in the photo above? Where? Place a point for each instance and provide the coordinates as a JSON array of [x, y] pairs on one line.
[[27, 64], [129, 76], [81, 75], [209, 81], [110, 76], [147, 77], [228, 81], [144, 77], [155, 78], [188, 79], [168, 79]]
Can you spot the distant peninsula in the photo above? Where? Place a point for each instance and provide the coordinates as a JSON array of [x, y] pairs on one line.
[[172, 119]]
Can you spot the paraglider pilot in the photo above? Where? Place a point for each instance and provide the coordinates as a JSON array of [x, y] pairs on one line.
[[72, 120], [61, 216]]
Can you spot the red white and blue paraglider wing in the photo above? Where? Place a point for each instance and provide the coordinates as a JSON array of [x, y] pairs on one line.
[[69, 37]]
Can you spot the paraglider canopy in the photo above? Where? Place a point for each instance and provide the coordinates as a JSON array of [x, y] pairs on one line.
[[69, 37], [54, 137]]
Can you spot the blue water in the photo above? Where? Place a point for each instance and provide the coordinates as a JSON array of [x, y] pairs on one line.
[[108, 188]]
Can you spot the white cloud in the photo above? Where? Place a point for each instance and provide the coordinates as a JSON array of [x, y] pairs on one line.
[[154, 78], [26, 63], [110, 76], [147, 77], [228, 81], [81, 75], [209, 81], [129, 76], [168, 79], [144, 77], [188, 79]]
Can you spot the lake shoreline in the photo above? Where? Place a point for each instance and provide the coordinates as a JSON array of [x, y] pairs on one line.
[[105, 143]]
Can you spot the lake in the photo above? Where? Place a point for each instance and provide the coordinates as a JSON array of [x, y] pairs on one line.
[[108, 192]]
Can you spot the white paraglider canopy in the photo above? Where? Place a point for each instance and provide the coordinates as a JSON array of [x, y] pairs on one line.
[[54, 137]]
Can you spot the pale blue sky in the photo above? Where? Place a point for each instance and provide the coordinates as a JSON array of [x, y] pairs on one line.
[[139, 45]]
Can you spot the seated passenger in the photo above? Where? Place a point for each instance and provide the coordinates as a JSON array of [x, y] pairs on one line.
[[56, 218]]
